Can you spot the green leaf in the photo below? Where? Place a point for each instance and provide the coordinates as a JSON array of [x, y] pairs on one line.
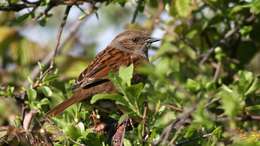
[[246, 78], [43, 21], [121, 2], [46, 91], [247, 142], [32, 94], [44, 101], [127, 142], [231, 101], [202, 116], [126, 74], [192, 85], [238, 8], [255, 6], [135, 91], [123, 118], [41, 66], [219, 54], [131, 98], [20, 19], [253, 108], [72, 131], [181, 7], [10, 90], [163, 67], [245, 30], [103, 96], [254, 86]]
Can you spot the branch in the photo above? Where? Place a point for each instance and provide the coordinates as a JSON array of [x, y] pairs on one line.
[[49, 57], [206, 56], [64, 20], [28, 118], [223, 41], [139, 2], [187, 141], [240, 118], [176, 124], [217, 72], [15, 7], [156, 17], [28, 4]]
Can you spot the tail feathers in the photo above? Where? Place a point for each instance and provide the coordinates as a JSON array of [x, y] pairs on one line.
[[65, 104]]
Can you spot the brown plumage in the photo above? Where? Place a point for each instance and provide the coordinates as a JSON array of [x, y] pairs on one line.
[[129, 47]]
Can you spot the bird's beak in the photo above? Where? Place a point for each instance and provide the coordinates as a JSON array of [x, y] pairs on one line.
[[152, 40]]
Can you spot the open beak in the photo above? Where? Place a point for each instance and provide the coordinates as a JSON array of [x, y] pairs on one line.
[[152, 40]]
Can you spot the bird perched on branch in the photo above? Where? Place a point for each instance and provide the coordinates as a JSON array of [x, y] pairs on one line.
[[129, 47]]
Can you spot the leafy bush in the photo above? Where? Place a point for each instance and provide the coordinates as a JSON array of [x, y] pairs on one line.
[[202, 88]]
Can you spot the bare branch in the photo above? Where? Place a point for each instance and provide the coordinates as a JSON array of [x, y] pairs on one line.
[[28, 118], [217, 72], [59, 34], [206, 56], [139, 2]]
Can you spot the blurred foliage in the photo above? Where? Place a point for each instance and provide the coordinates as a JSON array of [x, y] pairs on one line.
[[207, 62]]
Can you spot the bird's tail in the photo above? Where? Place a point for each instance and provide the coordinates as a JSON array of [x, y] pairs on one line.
[[65, 104]]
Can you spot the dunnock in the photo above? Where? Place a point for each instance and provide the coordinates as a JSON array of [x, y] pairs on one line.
[[129, 47]]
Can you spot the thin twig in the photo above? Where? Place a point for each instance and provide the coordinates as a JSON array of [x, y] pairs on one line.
[[60, 33], [223, 41], [206, 56], [185, 142], [174, 107], [45, 12], [178, 132], [156, 17], [56, 49], [36, 70], [145, 131], [54, 3], [176, 124], [217, 72], [139, 2], [239, 118], [15, 7]]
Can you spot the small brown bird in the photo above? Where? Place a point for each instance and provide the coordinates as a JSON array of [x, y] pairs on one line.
[[129, 47]]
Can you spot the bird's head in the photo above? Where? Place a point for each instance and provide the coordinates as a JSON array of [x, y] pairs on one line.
[[133, 40]]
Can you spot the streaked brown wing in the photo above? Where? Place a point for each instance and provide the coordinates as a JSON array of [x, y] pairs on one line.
[[106, 61]]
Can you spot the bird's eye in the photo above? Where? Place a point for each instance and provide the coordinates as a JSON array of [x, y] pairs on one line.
[[135, 40]]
